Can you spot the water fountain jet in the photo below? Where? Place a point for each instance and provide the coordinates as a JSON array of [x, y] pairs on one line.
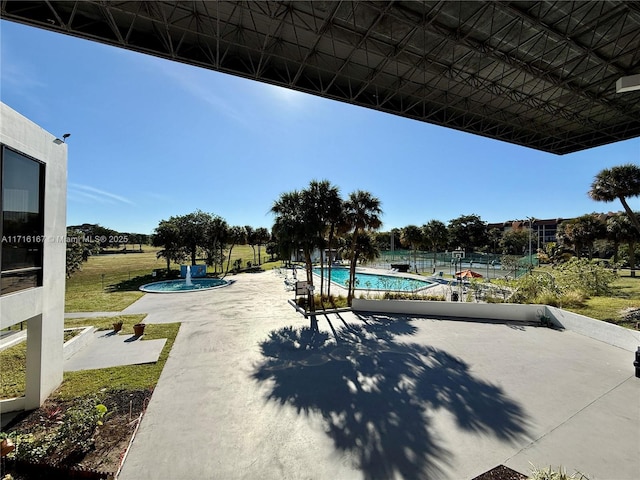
[[187, 278]]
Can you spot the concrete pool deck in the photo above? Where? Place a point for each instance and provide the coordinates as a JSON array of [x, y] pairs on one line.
[[250, 392]]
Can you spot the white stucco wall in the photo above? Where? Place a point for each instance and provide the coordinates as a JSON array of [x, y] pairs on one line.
[[483, 311], [41, 307], [605, 332]]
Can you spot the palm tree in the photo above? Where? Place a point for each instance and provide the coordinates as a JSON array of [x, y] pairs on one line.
[[362, 213], [581, 232], [328, 204], [364, 248], [620, 229], [262, 236], [251, 239], [287, 224], [167, 235], [618, 182], [235, 235], [413, 236], [216, 235], [436, 236], [297, 226]]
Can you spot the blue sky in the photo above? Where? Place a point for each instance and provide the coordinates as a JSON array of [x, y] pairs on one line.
[[152, 138]]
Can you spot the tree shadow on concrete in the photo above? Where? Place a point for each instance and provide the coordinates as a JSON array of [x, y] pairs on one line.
[[377, 394]]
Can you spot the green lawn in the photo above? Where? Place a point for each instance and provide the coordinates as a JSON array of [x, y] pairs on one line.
[[626, 295], [128, 377], [12, 380], [101, 285]]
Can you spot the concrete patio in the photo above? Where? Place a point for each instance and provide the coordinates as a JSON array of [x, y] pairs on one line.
[[250, 392]]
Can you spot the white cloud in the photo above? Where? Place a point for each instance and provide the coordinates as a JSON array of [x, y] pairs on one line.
[[86, 191]]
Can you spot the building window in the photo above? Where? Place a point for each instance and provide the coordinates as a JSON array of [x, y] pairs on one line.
[[21, 221]]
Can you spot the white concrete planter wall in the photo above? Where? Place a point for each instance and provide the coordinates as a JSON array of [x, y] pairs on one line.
[[606, 332], [78, 342]]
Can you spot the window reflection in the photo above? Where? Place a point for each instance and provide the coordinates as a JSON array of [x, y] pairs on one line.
[[22, 223]]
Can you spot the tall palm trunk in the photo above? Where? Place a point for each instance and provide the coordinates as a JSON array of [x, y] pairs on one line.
[[352, 268], [321, 272], [632, 216], [632, 257], [309, 268], [228, 260], [330, 241]]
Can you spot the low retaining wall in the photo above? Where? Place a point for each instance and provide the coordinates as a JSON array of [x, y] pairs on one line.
[[483, 311], [599, 330], [77, 342], [605, 332]]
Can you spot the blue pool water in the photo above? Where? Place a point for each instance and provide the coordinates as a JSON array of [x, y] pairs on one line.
[[178, 286], [370, 281]]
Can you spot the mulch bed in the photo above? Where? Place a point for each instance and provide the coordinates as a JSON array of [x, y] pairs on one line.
[[109, 441], [501, 473]]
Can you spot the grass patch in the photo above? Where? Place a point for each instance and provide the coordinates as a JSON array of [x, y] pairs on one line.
[[14, 366], [92, 289], [626, 294], [106, 323], [122, 378], [69, 334], [89, 382]]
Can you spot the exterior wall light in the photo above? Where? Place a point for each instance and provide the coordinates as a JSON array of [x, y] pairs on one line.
[[628, 84]]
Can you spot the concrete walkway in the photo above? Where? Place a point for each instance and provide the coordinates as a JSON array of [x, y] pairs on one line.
[[106, 349], [249, 392], [91, 314]]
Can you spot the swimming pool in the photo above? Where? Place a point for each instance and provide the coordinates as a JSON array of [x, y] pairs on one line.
[[370, 281]]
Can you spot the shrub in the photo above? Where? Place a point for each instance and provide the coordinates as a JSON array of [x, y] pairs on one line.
[[569, 286], [435, 298], [550, 474], [29, 448], [75, 429], [586, 276], [492, 299], [79, 424], [324, 302], [572, 299]]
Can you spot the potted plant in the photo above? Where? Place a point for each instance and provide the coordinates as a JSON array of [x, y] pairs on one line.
[[7, 446], [545, 320], [117, 326], [138, 329]]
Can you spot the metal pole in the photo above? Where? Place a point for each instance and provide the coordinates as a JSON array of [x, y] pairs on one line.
[[530, 259], [460, 280]]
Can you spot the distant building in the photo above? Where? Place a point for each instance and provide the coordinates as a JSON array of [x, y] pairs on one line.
[[33, 183], [543, 231]]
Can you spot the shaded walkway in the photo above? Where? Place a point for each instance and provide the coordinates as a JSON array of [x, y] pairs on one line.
[[377, 395]]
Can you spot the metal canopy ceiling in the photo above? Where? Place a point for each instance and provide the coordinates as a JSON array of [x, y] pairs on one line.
[[540, 74]]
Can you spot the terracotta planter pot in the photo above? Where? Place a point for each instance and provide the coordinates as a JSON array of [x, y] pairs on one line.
[[7, 447], [138, 329]]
